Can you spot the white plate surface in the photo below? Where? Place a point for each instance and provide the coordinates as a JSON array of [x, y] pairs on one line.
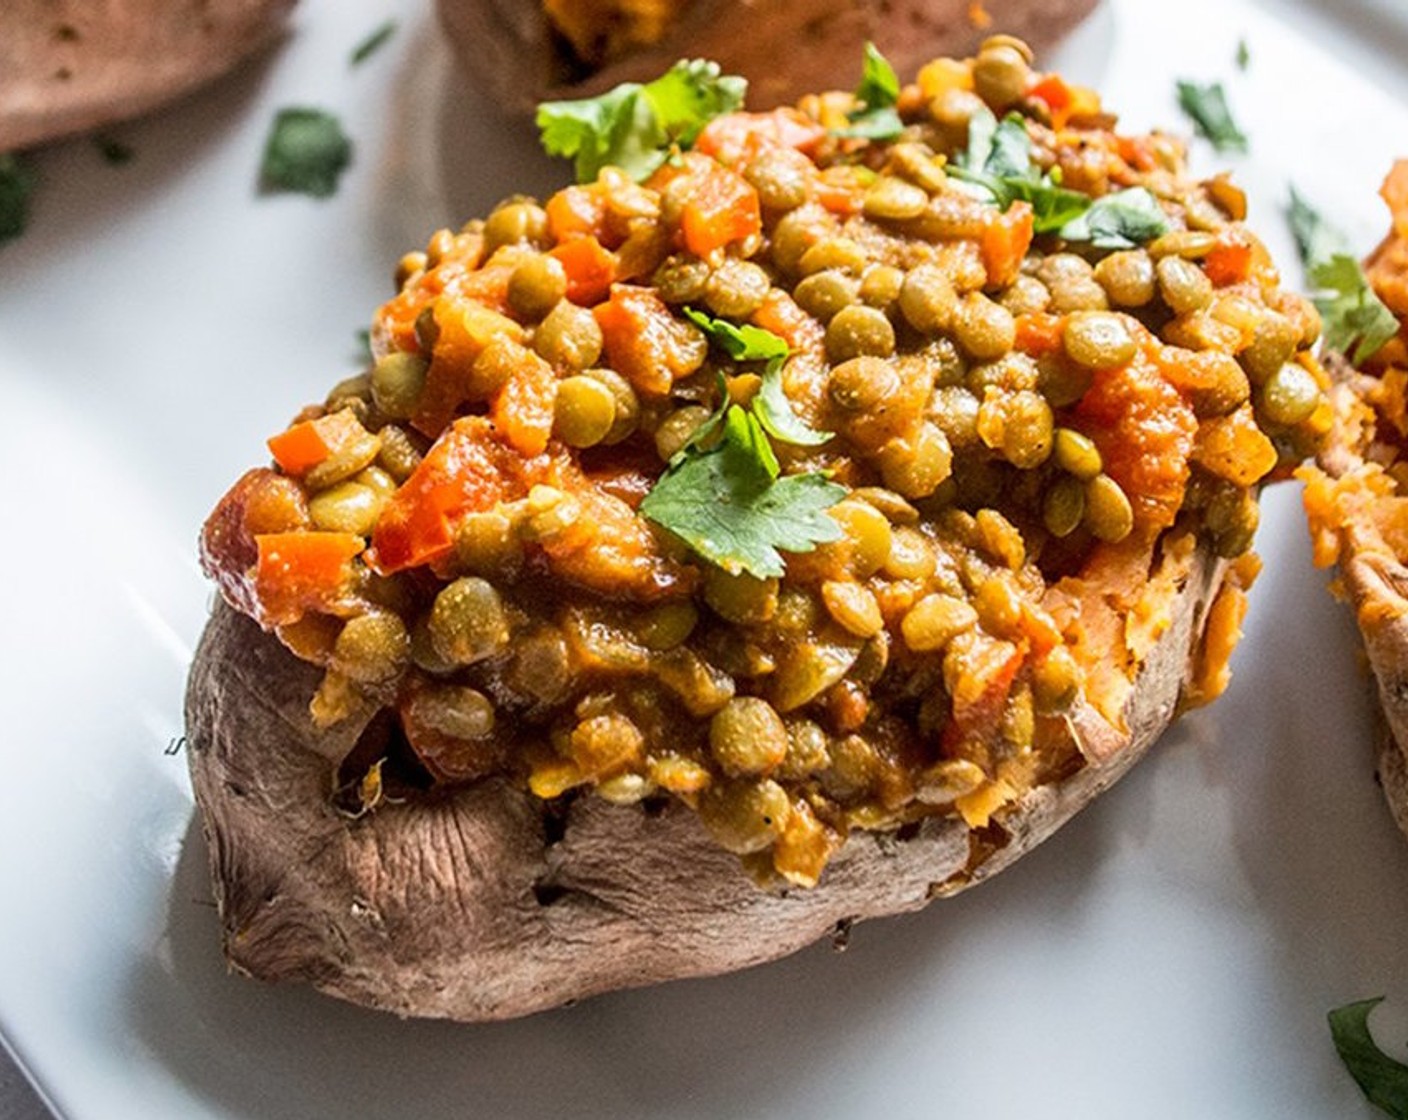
[[1172, 953]]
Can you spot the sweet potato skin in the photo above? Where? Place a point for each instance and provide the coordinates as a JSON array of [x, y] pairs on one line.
[[68, 66], [465, 906], [506, 45]]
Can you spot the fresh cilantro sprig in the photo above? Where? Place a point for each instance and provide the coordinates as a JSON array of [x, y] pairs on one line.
[[1356, 322], [372, 43], [306, 152], [1384, 1080], [878, 94], [998, 159], [722, 493], [729, 505], [1207, 107], [16, 185], [635, 126], [747, 343]]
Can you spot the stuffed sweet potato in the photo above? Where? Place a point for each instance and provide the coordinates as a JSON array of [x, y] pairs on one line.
[[525, 52], [792, 522], [1354, 494]]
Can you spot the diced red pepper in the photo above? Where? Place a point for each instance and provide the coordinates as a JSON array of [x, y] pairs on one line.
[[302, 571]]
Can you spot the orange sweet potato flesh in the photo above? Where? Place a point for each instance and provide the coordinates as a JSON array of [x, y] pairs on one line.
[[68, 66], [509, 46]]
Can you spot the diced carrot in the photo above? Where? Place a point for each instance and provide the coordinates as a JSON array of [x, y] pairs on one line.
[[302, 571], [1006, 238], [1230, 262], [590, 268], [463, 328], [523, 408], [1039, 334], [395, 323], [1395, 192], [739, 137], [1137, 152], [780, 314], [578, 211], [717, 206], [1234, 448], [304, 445], [468, 469], [841, 195], [1056, 94], [644, 342]]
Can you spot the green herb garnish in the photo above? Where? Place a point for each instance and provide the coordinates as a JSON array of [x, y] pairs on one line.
[[16, 185], [1352, 314], [1244, 54], [1207, 107], [113, 150], [364, 347], [373, 42], [1384, 1080], [306, 152], [747, 343], [1121, 220], [729, 505], [999, 159], [878, 93], [635, 126]]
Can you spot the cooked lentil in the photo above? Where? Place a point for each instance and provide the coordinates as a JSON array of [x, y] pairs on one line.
[[455, 535]]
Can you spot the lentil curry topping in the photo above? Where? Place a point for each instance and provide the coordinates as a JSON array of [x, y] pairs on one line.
[[813, 480]]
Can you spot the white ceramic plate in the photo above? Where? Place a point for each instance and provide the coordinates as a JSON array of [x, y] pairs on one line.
[[1171, 953]]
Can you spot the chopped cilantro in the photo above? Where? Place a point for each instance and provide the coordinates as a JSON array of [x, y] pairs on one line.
[[1207, 107], [1384, 1080], [998, 159], [634, 126], [364, 347], [1244, 54], [744, 343], [1352, 314], [1121, 220], [747, 343], [16, 185], [729, 505], [373, 42], [306, 152], [113, 150], [878, 93]]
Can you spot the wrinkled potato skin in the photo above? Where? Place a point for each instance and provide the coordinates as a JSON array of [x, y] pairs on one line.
[[505, 45], [69, 66], [459, 906]]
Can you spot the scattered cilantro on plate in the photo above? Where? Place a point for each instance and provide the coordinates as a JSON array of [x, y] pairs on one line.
[[306, 152], [1356, 322], [16, 185], [635, 126], [113, 150], [373, 42], [1384, 1080], [1206, 106]]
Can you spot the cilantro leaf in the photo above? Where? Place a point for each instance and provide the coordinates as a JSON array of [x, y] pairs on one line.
[[1121, 220], [1244, 54], [1207, 107], [113, 150], [1352, 313], [16, 185], [1316, 238], [743, 343], [878, 92], [999, 160], [633, 126], [728, 504], [306, 152], [373, 42], [1384, 1080], [775, 412]]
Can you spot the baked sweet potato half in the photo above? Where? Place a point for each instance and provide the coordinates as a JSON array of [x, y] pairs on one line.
[[793, 521], [523, 53], [68, 66], [1355, 500]]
